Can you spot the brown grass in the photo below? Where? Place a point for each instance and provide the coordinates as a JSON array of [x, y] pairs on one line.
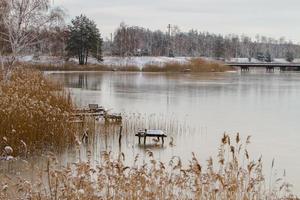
[[33, 112], [194, 65], [233, 175], [69, 66]]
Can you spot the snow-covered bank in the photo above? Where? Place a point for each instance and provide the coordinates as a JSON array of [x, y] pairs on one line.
[[139, 62]]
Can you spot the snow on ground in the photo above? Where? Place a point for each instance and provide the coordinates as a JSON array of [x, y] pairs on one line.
[[243, 60], [110, 61], [136, 61], [41, 59], [142, 61]]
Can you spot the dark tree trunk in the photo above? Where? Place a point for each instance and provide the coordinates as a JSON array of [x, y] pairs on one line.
[[86, 56], [81, 57]]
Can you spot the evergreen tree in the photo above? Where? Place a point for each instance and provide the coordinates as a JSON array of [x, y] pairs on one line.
[[289, 56], [268, 57], [84, 39], [260, 56], [219, 49]]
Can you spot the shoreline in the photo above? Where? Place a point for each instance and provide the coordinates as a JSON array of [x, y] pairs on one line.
[[195, 65]]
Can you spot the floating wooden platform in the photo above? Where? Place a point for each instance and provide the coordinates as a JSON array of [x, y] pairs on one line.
[[159, 134]]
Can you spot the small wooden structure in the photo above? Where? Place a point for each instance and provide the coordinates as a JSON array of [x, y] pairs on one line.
[[95, 108], [96, 111], [115, 117], [159, 134]]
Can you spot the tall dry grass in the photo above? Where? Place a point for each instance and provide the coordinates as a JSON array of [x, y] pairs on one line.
[[33, 113], [233, 176], [68, 66], [194, 65]]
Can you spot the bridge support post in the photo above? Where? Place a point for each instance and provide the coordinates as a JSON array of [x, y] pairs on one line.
[[270, 69], [244, 68]]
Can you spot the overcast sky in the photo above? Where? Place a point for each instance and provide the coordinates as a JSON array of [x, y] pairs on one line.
[[273, 18]]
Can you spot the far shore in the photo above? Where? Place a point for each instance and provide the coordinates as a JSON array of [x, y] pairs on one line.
[[188, 65]]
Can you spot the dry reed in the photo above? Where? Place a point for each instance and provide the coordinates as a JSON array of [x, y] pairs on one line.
[[33, 113], [234, 175], [194, 65]]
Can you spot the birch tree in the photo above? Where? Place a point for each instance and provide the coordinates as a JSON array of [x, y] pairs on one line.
[[23, 22]]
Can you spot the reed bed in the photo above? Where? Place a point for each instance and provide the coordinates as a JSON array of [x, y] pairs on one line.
[[194, 65], [232, 175], [68, 66], [34, 113], [71, 66]]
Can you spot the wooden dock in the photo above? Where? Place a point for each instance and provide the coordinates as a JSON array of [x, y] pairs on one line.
[[97, 112], [159, 134], [115, 117]]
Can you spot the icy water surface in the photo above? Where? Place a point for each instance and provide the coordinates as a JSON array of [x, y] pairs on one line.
[[202, 107]]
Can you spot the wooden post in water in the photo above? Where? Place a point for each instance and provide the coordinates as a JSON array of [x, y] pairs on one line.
[[145, 139], [120, 135], [145, 136]]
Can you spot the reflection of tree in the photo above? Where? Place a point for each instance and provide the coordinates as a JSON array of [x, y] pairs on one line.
[[81, 80]]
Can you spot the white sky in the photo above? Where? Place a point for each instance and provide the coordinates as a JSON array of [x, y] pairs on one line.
[[274, 18]]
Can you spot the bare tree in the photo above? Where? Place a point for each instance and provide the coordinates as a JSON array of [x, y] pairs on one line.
[[23, 22]]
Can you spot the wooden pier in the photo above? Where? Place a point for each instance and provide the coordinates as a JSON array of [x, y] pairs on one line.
[[97, 112], [115, 117], [159, 134]]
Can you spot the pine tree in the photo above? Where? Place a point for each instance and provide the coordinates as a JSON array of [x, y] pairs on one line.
[[289, 56], [268, 57], [84, 39], [260, 56], [219, 48]]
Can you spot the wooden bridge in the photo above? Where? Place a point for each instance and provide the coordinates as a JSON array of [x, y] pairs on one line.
[[268, 66]]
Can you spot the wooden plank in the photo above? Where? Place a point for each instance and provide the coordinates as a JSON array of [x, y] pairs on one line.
[[93, 106]]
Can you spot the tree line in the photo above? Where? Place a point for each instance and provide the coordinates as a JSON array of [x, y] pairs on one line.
[[135, 41], [35, 27]]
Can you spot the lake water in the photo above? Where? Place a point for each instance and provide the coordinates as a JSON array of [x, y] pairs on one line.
[[203, 107]]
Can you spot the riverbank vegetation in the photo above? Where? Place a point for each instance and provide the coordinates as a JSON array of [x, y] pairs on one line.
[[232, 175], [193, 65], [33, 112]]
